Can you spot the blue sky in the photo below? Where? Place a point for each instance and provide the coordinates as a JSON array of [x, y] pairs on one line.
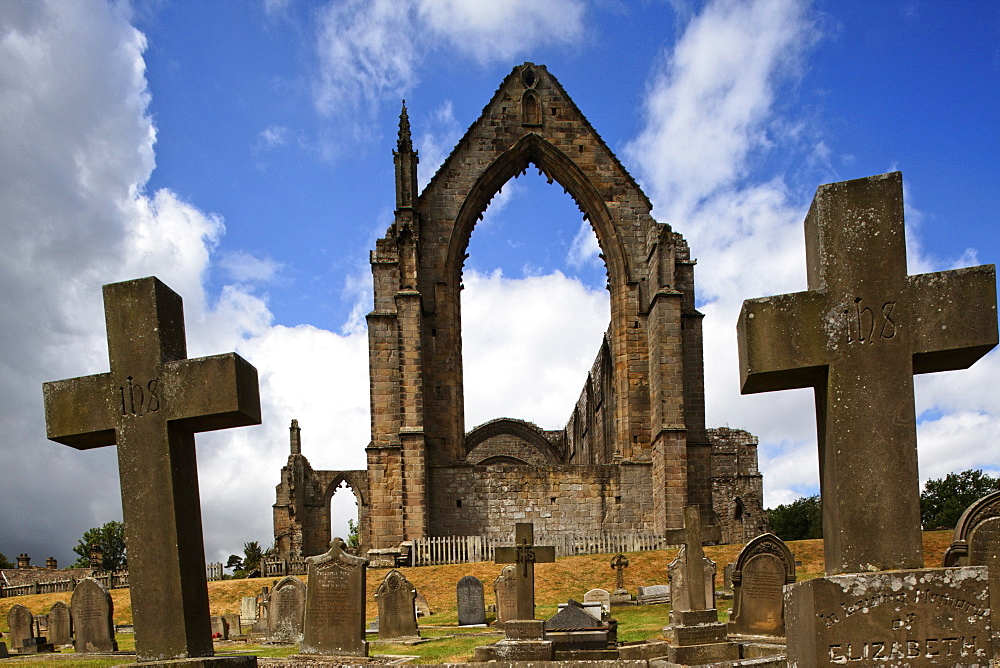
[[243, 153]]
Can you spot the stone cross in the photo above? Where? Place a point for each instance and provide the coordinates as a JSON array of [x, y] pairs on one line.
[[693, 536], [857, 336], [619, 563], [525, 554], [150, 405]]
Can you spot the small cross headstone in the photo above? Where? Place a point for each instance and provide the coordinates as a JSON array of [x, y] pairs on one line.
[[335, 604], [857, 336], [286, 609], [689, 587], [60, 624], [396, 612], [93, 618], [21, 625], [151, 404], [619, 563], [525, 554], [505, 592], [471, 601], [763, 567]]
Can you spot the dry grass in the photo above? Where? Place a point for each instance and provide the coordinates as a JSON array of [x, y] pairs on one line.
[[567, 578]]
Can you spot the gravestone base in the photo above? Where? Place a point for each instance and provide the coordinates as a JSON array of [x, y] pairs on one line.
[[923, 617], [697, 637], [200, 662], [36, 646], [621, 597], [524, 641]]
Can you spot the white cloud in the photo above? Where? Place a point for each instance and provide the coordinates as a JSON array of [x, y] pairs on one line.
[[274, 136], [584, 249], [437, 140], [244, 267]]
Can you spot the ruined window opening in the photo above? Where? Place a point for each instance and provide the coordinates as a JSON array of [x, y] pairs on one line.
[[458, 503], [343, 505]]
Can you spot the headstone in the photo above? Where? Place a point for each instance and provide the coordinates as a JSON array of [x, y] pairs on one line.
[[248, 610], [234, 624], [727, 579], [220, 628], [60, 624], [286, 610], [592, 608], [525, 554], [574, 628], [505, 591], [857, 336], [976, 542], [471, 602], [763, 567], [653, 594], [42, 625], [335, 605], [93, 618], [21, 624], [151, 404], [601, 596], [685, 596], [620, 595], [396, 612], [422, 606]]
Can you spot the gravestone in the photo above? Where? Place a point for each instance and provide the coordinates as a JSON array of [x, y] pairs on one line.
[[471, 601], [151, 404], [422, 606], [763, 567], [396, 613], [525, 554], [505, 592], [695, 634], [575, 628], [335, 604], [220, 628], [727, 579], [620, 595], [653, 594], [93, 618], [21, 625], [248, 610], [857, 336], [286, 609], [234, 623], [60, 624], [3, 651], [976, 542], [601, 596]]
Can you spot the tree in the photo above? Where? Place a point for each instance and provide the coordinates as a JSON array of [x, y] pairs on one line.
[[945, 499], [234, 562], [353, 534], [4, 563], [252, 554], [111, 539], [799, 520]]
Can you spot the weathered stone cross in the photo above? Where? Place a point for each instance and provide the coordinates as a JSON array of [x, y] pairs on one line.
[[151, 404], [693, 536], [619, 563], [526, 554], [857, 336]]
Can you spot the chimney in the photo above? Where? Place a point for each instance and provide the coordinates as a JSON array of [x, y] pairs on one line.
[[51, 564], [23, 562]]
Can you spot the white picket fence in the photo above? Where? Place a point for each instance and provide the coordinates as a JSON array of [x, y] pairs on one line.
[[435, 550]]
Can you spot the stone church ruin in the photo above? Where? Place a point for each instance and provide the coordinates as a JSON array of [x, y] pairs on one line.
[[634, 450]]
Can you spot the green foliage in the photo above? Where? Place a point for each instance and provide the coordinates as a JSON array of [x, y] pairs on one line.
[[944, 500], [252, 555], [234, 562], [353, 534], [111, 538], [4, 563], [799, 520]]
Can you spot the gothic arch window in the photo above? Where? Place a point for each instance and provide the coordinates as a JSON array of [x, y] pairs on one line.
[[531, 109]]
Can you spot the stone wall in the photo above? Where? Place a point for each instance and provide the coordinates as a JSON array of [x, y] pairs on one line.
[[737, 485]]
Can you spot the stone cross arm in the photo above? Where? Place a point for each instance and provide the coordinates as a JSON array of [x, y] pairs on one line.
[[203, 394]]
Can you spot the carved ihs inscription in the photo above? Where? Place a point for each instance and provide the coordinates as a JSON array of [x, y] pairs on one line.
[[868, 322], [137, 398]]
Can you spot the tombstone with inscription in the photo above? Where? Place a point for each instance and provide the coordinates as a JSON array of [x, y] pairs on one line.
[[21, 624], [248, 610], [220, 628], [857, 336], [93, 618], [235, 625], [286, 607], [60, 624], [396, 613], [335, 605], [601, 596], [976, 542], [150, 405], [763, 567], [505, 593], [471, 601]]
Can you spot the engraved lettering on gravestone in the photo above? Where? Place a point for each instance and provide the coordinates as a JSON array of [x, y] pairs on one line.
[[60, 625], [127, 396], [335, 603], [861, 322]]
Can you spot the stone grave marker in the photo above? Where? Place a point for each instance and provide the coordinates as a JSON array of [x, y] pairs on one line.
[[764, 566], [620, 595], [525, 554], [601, 596], [235, 625], [21, 625], [151, 404], [4, 654], [471, 601], [505, 591], [286, 609], [857, 336], [220, 628], [335, 604], [396, 612], [422, 606], [60, 624], [248, 610], [93, 618], [976, 542], [653, 594]]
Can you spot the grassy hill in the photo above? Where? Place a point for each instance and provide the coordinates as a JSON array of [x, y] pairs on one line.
[[569, 577]]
